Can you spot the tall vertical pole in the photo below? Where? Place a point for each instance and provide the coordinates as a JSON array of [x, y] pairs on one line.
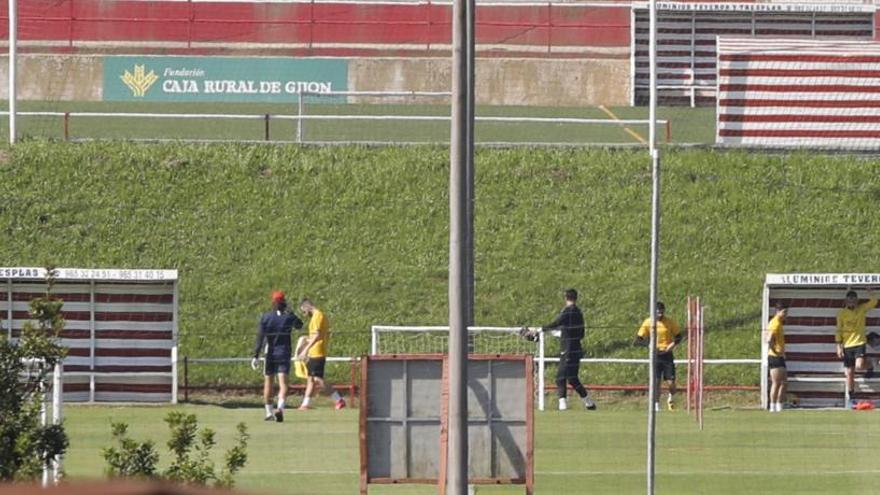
[[13, 59], [655, 246], [470, 172], [460, 152]]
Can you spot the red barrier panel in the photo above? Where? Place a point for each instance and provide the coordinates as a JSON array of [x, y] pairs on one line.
[[157, 24]]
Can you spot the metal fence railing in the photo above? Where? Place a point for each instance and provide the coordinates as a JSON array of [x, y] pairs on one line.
[[348, 127]]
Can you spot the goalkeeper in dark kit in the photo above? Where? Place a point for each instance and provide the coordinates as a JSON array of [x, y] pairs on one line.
[[569, 328]]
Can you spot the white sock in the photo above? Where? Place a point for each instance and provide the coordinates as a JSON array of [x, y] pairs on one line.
[[669, 398], [305, 401], [335, 396], [268, 409], [280, 403], [779, 407]]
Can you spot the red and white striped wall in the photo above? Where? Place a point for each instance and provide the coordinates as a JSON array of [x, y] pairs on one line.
[[120, 329], [796, 93], [687, 33], [814, 370]]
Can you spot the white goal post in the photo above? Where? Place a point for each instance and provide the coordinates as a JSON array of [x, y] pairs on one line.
[[391, 339], [51, 408]]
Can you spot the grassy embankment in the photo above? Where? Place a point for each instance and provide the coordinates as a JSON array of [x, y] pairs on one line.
[[364, 232]]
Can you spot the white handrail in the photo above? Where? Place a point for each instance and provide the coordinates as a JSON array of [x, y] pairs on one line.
[[262, 116]]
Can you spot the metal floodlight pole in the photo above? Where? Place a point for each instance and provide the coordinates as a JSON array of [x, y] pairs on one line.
[[460, 153], [470, 56], [13, 58], [655, 245]]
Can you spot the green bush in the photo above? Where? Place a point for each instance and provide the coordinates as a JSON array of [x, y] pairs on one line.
[[26, 446], [191, 450]]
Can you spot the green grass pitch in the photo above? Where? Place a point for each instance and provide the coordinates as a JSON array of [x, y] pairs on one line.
[[687, 125], [603, 452]]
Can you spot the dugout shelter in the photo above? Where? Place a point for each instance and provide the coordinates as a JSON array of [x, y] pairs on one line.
[[121, 329], [815, 373]]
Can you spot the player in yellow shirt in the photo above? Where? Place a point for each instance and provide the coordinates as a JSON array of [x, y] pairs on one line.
[[668, 336], [775, 336], [315, 352], [850, 337]]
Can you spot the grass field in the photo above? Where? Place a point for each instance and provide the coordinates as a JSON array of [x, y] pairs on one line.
[[687, 125], [364, 232], [603, 452]]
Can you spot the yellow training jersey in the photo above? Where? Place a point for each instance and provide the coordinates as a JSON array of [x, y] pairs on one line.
[[851, 324], [319, 324], [667, 330], [774, 329]]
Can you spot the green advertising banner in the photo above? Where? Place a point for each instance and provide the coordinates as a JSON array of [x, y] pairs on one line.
[[229, 79]]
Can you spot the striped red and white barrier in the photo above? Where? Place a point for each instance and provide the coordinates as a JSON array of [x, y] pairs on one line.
[[120, 329], [798, 93]]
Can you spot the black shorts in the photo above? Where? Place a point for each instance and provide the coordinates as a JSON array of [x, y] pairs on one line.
[[569, 364], [664, 366], [316, 366], [276, 365], [851, 353], [774, 362]]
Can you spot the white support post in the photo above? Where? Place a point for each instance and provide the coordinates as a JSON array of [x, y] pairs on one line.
[[13, 62], [693, 59], [175, 324], [632, 56], [701, 330], [92, 337], [44, 421], [541, 365], [57, 413], [765, 315], [9, 309], [374, 340], [174, 374]]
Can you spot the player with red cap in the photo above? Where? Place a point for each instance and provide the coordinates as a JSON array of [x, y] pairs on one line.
[[273, 338]]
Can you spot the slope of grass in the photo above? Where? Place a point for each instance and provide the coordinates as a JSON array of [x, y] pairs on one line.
[[575, 451], [364, 232]]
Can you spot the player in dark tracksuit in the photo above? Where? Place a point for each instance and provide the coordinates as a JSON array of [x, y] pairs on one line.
[[274, 335], [570, 326]]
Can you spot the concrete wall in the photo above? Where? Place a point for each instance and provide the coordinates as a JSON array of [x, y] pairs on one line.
[[55, 77], [500, 81]]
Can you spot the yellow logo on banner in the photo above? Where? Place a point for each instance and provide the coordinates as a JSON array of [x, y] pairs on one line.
[[140, 81]]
